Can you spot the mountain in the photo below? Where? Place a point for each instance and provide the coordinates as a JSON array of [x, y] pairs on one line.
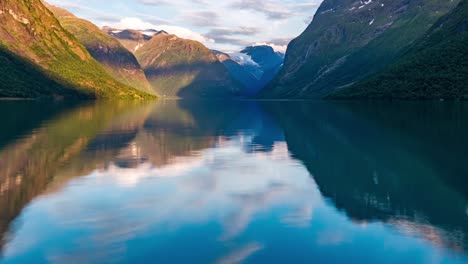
[[239, 72], [132, 39], [254, 66], [349, 40], [46, 60], [266, 58], [107, 50], [179, 67], [435, 67], [22, 79]]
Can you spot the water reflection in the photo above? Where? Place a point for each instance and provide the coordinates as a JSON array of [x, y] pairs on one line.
[[229, 182], [403, 163]]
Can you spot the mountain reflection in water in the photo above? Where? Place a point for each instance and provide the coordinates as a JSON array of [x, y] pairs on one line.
[[229, 182]]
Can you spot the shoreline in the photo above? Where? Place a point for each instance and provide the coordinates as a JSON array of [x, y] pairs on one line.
[[15, 99]]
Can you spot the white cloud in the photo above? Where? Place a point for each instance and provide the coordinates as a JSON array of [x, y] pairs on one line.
[[243, 59], [201, 20]]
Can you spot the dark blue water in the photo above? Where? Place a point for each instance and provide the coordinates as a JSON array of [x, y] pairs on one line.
[[234, 182]]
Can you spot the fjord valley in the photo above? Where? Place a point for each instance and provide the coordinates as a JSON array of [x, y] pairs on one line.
[[351, 50], [236, 131], [253, 67]]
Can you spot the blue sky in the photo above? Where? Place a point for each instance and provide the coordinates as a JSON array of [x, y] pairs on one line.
[[226, 25]]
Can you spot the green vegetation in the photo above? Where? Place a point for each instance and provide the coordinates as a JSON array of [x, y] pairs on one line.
[[435, 67], [31, 37], [179, 67], [22, 79], [350, 43], [107, 50]]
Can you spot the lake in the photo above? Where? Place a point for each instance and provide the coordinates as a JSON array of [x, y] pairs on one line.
[[234, 182]]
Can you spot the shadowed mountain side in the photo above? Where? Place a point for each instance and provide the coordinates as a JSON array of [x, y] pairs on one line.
[[179, 67], [378, 170], [107, 50], [192, 80], [253, 67], [348, 41], [434, 67], [21, 78], [239, 73], [30, 31]]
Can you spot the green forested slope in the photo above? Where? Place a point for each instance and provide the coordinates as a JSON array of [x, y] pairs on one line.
[[435, 67], [348, 41], [32, 38], [107, 50]]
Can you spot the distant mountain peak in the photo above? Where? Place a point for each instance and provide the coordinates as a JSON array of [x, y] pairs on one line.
[[254, 66], [133, 39], [178, 67], [257, 47]]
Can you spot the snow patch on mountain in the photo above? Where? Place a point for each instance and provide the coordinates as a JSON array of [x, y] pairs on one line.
[[243, 59]]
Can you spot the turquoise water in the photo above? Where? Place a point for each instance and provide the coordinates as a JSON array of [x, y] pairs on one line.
[[234, 182]]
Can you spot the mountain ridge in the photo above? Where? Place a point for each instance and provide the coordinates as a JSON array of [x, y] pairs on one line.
[[349, 40], [434, 68], [178, 67], [253, 67], [31, 35], [132, 39], [107, 50]]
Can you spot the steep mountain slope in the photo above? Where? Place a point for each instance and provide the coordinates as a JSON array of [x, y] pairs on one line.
[[31, 35], [348, 40], [22, 79], [179, 67], [268, 61], [132, 39], [435, 67], [108, 51], [253, 67], [239, 72]]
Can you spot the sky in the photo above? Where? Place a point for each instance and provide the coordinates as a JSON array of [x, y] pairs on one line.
[[226, 25]]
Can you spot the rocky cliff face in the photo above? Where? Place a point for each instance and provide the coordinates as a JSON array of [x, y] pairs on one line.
[[179, 67], [348, 40], [107, 50], [30, 35], [434, 67]]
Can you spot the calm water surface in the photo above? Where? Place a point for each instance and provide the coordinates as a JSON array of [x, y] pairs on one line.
[[234, 182]]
